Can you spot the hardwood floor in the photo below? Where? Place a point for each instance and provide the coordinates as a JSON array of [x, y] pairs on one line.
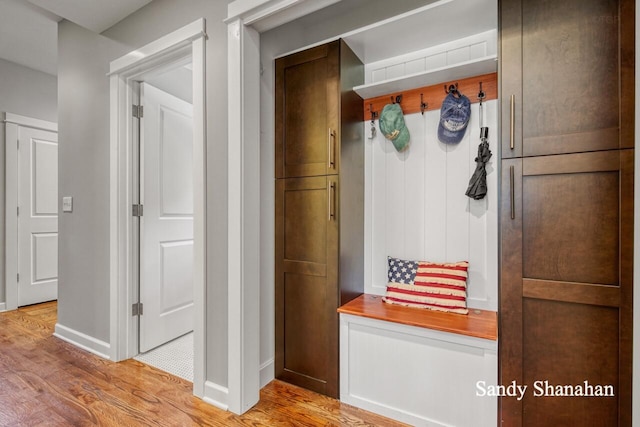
[[45, 381]]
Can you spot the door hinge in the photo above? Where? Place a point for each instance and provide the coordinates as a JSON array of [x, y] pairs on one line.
[[18, 277], [18, 210], [18, 144], [136, 309], [137, 210], [138, 111]]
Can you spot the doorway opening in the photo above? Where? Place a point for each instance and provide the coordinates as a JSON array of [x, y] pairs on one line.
[[127, 232], [31, 215], [164, 152]]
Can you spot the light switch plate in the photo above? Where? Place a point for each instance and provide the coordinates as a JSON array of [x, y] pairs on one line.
[[67, 204]]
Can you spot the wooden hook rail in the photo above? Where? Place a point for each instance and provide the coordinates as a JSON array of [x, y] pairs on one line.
[[430, 97]]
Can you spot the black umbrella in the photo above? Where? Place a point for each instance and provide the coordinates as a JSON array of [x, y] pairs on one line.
[[478, 183]]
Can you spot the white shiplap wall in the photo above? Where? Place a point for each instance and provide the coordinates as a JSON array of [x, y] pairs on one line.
[[444, 55], [415, 206]]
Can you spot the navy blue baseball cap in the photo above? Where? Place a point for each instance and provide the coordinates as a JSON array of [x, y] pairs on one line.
[[454, 118]]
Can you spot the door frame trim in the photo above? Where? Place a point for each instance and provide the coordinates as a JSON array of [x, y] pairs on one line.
[[188, 40], [13, 123], [245, 20]]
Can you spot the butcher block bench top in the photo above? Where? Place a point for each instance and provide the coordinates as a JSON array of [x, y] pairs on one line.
[[478, 323]]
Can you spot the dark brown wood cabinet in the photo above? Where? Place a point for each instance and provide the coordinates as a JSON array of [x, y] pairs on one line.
[[566, 211], [307, 122], [567, 76], [319, 216]]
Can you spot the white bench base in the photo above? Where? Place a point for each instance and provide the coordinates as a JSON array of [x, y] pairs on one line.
[[416, 375]]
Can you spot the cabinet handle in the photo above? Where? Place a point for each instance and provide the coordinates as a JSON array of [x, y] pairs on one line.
[[512, 190], [332, 201], [512, 133], [332, 139]]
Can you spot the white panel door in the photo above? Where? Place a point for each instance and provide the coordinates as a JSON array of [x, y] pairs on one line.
[[166, 227], [38, 216]]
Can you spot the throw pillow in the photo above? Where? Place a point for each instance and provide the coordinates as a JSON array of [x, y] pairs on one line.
[[424, 284]]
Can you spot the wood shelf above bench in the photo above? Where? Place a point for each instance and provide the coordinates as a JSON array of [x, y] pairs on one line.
[[478, 323], [462, 71], [434, 95]]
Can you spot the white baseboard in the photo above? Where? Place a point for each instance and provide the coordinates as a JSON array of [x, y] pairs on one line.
[[83, 341], [390, 412], [267, 371], [216, 395], [3, 306]]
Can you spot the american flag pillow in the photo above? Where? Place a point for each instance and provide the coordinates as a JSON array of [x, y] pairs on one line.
[[423, 284]]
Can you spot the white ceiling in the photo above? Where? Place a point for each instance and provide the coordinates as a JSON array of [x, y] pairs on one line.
[[28, 36], [95, 15], [28, 28], [436, 23]]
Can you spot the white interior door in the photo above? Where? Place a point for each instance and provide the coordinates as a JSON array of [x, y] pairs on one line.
[[166, 227], [37, 216]]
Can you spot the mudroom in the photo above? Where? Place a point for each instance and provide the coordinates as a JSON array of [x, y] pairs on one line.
[[528, 191]]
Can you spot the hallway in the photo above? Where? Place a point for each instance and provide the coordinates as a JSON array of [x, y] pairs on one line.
[[45, 381]]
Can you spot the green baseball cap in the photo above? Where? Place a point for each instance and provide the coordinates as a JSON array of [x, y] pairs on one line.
[[393, 127]]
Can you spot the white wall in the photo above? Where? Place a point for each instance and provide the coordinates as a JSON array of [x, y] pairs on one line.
[[84, 165], [416, 207], [83, 173], [30, 93]]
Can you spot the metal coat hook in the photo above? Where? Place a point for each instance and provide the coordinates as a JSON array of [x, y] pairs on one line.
[[423, 105], [453, 88], [374, 114], [481, 94], [397, 100]]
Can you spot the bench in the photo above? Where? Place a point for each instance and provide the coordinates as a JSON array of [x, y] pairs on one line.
[[418, 366]]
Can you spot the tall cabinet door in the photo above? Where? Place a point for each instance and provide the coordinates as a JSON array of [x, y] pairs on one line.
[[567, 76], [567, 287], [306, 283], [307, 112]]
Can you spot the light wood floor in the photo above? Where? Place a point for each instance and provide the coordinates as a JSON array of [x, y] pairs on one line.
[[47, 382]]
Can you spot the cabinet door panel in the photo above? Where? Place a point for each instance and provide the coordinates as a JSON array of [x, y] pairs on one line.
[[307, 282], [305, 334], [568, 344], [305, 212], [571, 227], [569, 59], [307, 112], [511, 77], [568, 66], [510, 308], [566, 285]]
